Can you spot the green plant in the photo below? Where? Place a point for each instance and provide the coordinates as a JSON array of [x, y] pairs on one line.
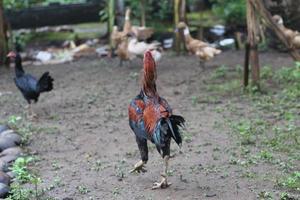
[[266, 72], [232, 11], [83, 189], [220, 72], [20, 169], [161, 10], [19, 188], [291, 182]]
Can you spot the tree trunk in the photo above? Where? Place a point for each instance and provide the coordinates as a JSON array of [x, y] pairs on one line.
[[143, 13], [252, 28], [176, 21], [120, 12], [182, 14], [3, 38], [111, 18]]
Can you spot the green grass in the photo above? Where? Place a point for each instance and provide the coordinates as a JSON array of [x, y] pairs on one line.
[[292, 181], [265, 122], [24, 176]]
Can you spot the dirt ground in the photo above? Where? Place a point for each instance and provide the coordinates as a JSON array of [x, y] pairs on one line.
[[87, 148]]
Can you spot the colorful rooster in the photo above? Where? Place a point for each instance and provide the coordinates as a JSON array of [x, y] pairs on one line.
[[151, 118]]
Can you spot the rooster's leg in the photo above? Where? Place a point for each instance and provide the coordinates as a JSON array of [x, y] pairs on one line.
[[143, 147], [202, 64], [121, 62], [164, 182], [30, 114]]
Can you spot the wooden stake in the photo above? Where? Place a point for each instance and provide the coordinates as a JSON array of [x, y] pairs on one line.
[[120, 7], [252, 28], [143, 13], [246, 65], [182, 13], [176, 21], [111, 19], [3, 38]]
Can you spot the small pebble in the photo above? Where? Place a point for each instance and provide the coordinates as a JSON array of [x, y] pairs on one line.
[[4, 190]]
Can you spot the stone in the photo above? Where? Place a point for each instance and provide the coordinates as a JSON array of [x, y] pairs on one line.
[[4, 178], [6, 143], [4, 132], [4, 190], [12, 135], [3, 128], [11, 174], [3, 166], [11, 151], [9, 158]]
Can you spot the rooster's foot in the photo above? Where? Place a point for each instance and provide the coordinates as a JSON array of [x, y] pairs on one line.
[[139, 167], [162, 184]]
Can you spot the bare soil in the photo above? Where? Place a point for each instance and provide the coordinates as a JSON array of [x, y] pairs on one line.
[[87, 148]]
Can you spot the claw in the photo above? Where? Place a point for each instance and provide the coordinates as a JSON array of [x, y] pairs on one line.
[[163, 184], [139, 167]]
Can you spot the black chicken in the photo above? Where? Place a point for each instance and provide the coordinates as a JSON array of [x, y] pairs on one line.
[[30, 87]]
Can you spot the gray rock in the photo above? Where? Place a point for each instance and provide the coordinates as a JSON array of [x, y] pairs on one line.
[[6, 143], [8, 131], [3, 128], [4, 190], [11, 151], [4, 178], [11, 174], [12, 135], [3, 166], [9, 158]]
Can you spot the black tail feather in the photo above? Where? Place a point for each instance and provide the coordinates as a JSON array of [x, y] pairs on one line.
[[168, 128], [176, 121], [45, 83]]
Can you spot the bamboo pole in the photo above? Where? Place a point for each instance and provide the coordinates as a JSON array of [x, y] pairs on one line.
[[183, 17], [143, 13], [176, 21], [3, 39], [111, 19]]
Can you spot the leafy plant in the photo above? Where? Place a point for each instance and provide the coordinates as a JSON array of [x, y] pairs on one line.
[[292, 181], [23, 176], [232, 11], [161, 10]]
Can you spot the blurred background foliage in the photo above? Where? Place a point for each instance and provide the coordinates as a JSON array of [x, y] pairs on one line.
[[232, 12], [19, 4]]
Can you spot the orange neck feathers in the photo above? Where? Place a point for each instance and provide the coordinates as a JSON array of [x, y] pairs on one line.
[[149, 78]]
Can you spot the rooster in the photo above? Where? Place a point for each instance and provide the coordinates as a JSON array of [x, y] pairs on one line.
[[151, 118], [30, 87], [197, 47]]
